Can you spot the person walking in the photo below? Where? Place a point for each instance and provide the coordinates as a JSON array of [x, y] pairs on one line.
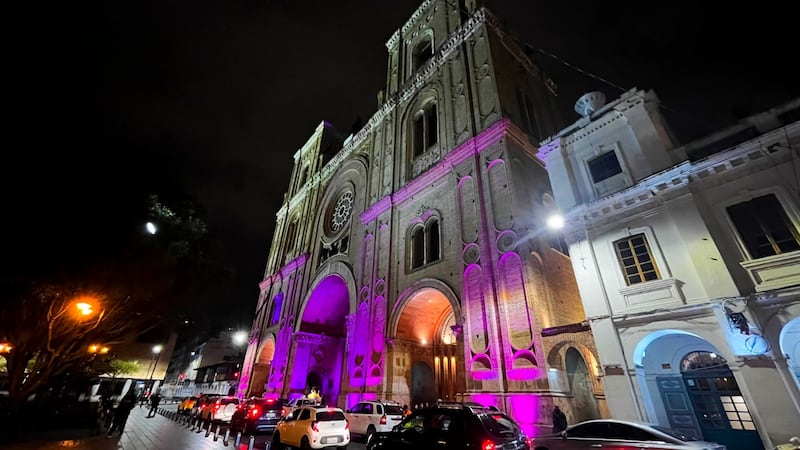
[[559, 420], [126, 404], [155, 399]]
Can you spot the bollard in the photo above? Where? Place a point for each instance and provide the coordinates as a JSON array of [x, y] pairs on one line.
[[238, 439], [216, 433], [251, 443], [208, 431], [227, 436]]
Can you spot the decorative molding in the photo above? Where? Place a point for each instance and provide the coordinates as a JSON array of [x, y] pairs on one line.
[[774, 272], [447, 165], [284, 271], [651, 293], [676, 180], [571, 328], [301, 337], [393, 40]]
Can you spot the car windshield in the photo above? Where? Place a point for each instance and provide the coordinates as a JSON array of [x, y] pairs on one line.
[[500, 425], [393, 410], [325, 416], [673, 433]]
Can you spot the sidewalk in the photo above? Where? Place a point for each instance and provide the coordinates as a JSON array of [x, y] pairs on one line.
[[141, 433]]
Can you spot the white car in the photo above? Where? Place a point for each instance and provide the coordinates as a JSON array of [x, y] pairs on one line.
[[367, 418], [220, 411], [296, 403], [610, 433], [312, 427]]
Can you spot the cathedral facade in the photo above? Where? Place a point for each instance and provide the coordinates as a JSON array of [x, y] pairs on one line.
[[411, 260]]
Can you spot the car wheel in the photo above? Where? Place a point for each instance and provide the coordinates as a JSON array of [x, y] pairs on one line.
[[276, 442], [304, 443], [370, 432]]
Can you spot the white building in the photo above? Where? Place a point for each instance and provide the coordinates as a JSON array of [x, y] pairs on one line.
[[688, 266]]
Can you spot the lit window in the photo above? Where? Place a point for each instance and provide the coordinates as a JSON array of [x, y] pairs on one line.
[[636, 259], [604, 166], [425, 133], [764, 227]]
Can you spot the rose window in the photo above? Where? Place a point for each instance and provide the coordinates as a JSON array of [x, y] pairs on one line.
[[342, 211]]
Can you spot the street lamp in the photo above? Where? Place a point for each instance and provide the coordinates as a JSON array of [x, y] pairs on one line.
[[151, 228], [156, 354], [555, 222], [239, 338]]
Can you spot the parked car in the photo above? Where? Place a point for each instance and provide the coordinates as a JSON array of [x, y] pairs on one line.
[[186, 405], [202, 401], [453, 426], [610, 433], [367, 418], [220, 411], [257, 415], [312, 427], [296, 403]]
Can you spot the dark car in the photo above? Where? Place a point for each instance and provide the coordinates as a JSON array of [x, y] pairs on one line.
[[453, 426], [257, 414]]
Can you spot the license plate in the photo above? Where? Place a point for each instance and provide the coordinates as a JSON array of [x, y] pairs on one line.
[[271, 414], [330, 440]]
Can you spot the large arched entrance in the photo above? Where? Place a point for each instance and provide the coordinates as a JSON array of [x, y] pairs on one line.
[[688, 386], [580, 384], [320, 341], [790, 346], [428, 360]]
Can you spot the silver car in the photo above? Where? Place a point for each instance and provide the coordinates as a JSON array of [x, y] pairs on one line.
[[622, 434]]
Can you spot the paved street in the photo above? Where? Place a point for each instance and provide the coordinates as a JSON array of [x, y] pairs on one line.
[[156, 433]]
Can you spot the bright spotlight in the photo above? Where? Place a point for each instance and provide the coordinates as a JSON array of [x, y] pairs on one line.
[[157, 348], [84, 308], [240, 337], [555, 222], [150, 227]]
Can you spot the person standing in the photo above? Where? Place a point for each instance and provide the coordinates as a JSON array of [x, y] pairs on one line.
[[155, 399], [121, 413], [559, 420]]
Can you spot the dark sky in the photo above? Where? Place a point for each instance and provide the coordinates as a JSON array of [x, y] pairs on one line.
[[118, 99]]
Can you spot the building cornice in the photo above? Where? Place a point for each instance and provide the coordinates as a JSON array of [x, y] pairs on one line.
[[676, 180], [283, 272], [420, 78]]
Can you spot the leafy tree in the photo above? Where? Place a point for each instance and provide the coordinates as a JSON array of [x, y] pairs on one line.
[[117, 367]]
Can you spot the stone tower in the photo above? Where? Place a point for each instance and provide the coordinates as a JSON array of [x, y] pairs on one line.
[[411, 260]]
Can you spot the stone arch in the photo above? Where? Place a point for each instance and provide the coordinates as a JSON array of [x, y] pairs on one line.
[[693, 394], [425, 38], [556, 356], [337, 268], [408, 294], [266, 351]]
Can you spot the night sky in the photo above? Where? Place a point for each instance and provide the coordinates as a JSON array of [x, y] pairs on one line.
[[115, 100]]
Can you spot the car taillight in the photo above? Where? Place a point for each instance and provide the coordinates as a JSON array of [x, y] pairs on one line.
[[487, 445], [346, 424], [383, 420], [202, 406], [314, 426], [255, 412], [216, 407]]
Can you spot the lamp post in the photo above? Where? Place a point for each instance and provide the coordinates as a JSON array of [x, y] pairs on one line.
[[156, 354], [239, 338]]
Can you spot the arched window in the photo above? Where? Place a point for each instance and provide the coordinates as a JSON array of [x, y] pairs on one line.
[[290, 242], [423, 52], [433, 241], [425, 245], [417, 247], [425, 130], [276, 308]]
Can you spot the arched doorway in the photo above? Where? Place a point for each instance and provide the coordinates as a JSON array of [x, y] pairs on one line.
[[790, 346], [320, 341], [688, 386], [428, 362], [580, 384], [262, 365]]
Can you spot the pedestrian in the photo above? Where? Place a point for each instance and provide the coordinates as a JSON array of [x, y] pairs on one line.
[[559, 420], [406, 411], [121, 413], [106, 409], [155, 399], [142, 399]]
